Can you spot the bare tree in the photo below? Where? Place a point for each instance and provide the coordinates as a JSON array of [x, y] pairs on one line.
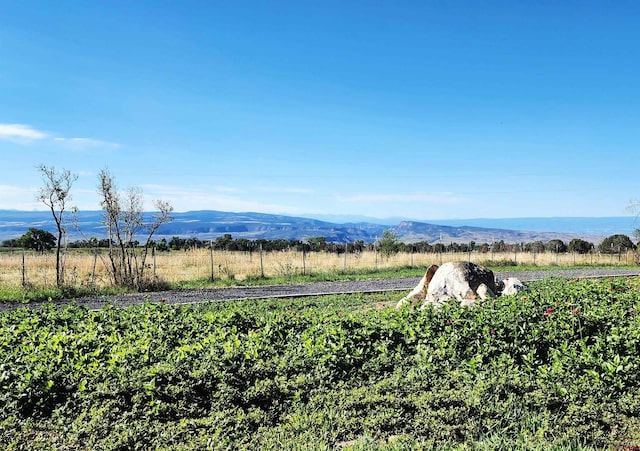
[[125, 221], [55, 193], [634, 208]]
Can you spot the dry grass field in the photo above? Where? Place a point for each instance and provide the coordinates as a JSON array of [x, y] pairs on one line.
[[85, 268]]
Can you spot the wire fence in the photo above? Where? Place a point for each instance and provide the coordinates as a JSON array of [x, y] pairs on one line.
[[89, 267]]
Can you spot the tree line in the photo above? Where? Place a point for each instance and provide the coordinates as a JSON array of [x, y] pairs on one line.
[[42, 240]]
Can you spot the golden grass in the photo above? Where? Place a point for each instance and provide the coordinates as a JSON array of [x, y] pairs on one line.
[[85, 268]]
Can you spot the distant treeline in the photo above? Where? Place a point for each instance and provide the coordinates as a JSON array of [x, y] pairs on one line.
[[611, 245], [41, 241]]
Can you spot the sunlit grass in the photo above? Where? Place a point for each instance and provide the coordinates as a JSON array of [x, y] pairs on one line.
[[31, 276]]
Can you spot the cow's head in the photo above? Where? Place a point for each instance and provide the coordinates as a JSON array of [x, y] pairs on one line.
[[510, 285]]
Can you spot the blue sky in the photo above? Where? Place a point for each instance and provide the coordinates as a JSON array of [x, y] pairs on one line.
[[415, 109]]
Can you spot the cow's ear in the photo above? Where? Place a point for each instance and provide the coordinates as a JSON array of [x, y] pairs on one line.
[[429, 274]]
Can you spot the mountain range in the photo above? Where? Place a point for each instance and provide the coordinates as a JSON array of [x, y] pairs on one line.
[[210, 224]]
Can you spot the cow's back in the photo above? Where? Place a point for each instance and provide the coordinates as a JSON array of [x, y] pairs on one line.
[[460, 280]]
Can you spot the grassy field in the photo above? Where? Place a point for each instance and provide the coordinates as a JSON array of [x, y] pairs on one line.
[[555, 367], [86, 271]]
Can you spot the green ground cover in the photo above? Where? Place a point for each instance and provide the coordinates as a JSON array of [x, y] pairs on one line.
[[25, 295], [556, 367]]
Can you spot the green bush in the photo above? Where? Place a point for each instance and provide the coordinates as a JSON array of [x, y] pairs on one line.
[[555, 367]]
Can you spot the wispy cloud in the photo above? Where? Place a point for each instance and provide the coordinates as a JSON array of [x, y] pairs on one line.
[[85, 143], [21, 132], [9, 190], [24, 134], [273, 189], [18, 198], [439, 198], [169, 190], [224, 198]]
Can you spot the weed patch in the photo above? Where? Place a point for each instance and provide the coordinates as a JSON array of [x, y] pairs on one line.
[[555, 367]]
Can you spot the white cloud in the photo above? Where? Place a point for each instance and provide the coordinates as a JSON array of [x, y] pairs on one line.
[[272, 189], [438, 198], [156, 190], [227, 189], [20, 132], [25, 198], [222, 198], [23, 134], [9, 190], [18, 198], [85, 143]]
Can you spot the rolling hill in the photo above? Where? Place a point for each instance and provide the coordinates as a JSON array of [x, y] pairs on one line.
[[210, 224]]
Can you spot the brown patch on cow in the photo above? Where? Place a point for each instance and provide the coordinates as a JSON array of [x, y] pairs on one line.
[[429, 274]]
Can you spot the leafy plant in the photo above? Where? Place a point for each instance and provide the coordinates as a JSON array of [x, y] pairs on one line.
[[555, 367]]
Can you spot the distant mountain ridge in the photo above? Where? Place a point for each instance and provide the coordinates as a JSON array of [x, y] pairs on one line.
[[210, 224]]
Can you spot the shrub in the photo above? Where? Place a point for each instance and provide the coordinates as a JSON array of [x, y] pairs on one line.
[[555, 366]]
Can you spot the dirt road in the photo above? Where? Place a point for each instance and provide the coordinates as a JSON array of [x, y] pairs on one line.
[[305, 289]]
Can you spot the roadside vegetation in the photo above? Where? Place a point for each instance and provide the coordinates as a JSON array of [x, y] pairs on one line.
[[555, 367], [31, 276]]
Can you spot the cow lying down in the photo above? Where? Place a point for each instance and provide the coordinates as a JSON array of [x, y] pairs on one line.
[[464, 281]]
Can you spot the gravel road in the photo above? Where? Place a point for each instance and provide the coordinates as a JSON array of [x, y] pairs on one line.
[[307, 289]]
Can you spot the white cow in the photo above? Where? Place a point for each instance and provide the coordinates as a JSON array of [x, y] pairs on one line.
[[464, 281]]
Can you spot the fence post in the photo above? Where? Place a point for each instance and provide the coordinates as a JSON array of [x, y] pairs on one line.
[[24, 271], [261, 265], [95, 261], [375, 251], [211, 257], [344, 266], [304, 261]]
